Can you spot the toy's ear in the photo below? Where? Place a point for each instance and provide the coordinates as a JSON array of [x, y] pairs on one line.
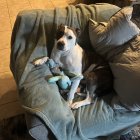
[[78, 31]]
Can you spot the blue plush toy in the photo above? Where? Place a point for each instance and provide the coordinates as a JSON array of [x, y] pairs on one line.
[[63, 80]]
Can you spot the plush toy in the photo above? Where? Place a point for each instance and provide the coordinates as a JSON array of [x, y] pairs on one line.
[[63, 80], [61, 77]]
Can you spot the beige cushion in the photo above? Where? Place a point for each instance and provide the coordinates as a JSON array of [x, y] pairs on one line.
[[119, 29]]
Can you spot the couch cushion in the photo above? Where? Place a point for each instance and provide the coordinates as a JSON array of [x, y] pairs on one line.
[[119, 29], [119, 41], [126, 70]]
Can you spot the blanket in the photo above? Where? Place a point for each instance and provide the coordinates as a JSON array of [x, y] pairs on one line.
[[33, 37]]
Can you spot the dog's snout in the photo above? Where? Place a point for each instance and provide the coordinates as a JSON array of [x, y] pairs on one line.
[[60, 45]]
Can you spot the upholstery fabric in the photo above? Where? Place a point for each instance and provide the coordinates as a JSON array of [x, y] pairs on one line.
[[118, 41], [118, 30], [33, 37]]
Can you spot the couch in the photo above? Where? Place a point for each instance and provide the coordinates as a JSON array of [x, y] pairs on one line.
[[47, 114]]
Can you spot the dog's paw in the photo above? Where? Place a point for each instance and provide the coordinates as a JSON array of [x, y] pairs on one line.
[[76, 105], [40, 61]]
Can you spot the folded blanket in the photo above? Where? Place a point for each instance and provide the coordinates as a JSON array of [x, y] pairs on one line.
[[33, 37]]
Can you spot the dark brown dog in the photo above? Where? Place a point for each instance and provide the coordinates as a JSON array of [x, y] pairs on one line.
[[98, 79]]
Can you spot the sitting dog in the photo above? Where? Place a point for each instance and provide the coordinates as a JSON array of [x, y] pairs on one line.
[[68, 55], [73, 60]]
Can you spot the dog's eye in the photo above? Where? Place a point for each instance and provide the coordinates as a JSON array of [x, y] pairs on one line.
[[69, 37]]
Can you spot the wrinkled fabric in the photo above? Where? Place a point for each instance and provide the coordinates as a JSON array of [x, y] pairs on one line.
[[106, 37], [126, 70], [33, 37]]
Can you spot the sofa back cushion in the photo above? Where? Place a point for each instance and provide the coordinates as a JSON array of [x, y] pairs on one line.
[[126, 70], [119, 42], [106, 36]]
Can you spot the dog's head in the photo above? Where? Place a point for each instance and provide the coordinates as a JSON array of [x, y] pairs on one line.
[[66, 37]]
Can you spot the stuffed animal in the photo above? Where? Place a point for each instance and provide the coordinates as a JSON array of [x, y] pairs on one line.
[[63, 80], [58, 74]]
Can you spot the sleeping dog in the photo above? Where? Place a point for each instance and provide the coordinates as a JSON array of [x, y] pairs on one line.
[[98, 81], [70, 56]]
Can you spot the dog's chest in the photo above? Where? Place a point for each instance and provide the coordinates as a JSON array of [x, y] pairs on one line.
[[70, 61], [67, 62]]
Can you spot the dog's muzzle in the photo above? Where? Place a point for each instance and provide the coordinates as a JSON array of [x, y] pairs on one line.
[[60, 45]]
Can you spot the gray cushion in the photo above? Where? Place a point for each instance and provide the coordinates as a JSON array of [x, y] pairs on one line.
[[126, 70], [119, 29], [119, 41]]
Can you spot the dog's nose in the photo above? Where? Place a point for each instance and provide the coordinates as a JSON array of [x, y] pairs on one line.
[[60, 45]]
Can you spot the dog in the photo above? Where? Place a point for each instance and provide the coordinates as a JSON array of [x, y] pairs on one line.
[[98, 81], [68, 55], [73, 60]]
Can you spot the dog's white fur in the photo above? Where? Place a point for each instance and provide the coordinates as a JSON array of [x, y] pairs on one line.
[[69, 59]]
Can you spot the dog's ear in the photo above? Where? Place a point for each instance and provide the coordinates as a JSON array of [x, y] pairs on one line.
[[78, 31], [61, 26]]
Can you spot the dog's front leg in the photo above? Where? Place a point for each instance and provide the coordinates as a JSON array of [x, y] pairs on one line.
[[84, 102], [73, 90]]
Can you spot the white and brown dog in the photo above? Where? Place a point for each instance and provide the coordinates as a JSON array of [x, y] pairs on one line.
[[70, 56]]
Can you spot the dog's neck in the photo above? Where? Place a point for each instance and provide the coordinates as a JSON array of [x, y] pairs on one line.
[[69, 52]]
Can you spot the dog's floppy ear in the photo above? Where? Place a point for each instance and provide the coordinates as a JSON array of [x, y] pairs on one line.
[[61, 26], [78, 31]]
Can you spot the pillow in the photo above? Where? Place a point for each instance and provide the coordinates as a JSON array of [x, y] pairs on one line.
[[126, 70], [119, 41], [119, 30]]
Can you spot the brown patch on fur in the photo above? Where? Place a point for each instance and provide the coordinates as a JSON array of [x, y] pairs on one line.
[[60, 31], [76, 31]]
